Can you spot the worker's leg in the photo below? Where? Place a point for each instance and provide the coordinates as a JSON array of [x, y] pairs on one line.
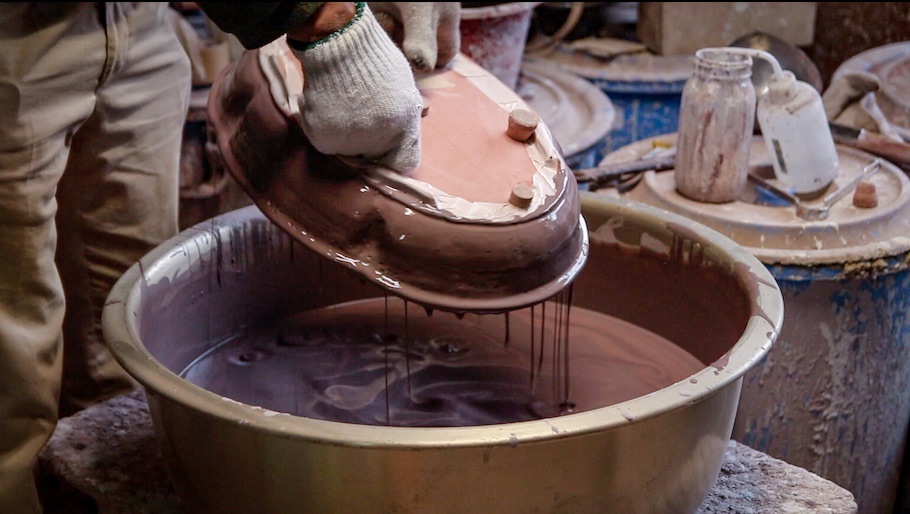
[[49, 66], [119, 196], [53, 61]]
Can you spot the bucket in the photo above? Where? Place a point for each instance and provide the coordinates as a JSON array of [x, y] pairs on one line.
[[657, 452], [833, 395], [494, 36]]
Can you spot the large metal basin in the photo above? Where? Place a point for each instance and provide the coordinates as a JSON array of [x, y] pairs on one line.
[[657, 453]]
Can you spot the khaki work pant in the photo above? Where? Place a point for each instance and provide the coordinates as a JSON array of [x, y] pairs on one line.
[[93, 100]]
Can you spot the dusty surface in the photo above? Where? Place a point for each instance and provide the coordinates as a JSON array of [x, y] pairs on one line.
[[106, 460], [752, 482], [108, 453]]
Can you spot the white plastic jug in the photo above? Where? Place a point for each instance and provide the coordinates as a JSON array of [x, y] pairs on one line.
[[795, 128], [793, 124]]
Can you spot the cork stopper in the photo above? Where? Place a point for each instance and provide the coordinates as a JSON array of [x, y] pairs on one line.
[[865, 196], [522, 124], [521, 197]]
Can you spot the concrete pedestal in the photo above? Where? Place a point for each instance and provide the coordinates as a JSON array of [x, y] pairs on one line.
[[106, 460]]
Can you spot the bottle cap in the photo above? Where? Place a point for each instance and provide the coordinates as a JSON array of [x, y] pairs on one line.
[[782, 87]]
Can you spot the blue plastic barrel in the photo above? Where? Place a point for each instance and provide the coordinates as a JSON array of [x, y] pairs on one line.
[[645, 90], [833, 394]]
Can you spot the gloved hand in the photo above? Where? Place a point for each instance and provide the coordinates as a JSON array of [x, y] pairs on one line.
[[427, 32], [359, 96]]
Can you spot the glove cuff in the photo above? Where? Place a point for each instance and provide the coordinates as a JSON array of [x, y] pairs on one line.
[[306, 45], [341, 55]]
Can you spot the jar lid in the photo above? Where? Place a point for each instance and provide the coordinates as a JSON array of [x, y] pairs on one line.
[[769, 227], [660, 72]]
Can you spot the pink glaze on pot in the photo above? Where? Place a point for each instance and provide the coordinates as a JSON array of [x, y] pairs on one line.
[[393, 234]]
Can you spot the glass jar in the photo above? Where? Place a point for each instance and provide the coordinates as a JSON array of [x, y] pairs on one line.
[[716, 120]]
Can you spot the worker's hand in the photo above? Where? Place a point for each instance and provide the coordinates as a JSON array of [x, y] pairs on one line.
[[427, 32], [359, 96]]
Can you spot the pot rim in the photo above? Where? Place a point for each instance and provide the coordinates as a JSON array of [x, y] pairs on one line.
[[499, 10], [121, 332]]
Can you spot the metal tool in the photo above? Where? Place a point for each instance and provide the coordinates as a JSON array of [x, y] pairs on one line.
[[619, 174], [873, 142], [818, 212]]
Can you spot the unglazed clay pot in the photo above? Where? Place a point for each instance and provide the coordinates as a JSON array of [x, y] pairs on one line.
[[656, 453]]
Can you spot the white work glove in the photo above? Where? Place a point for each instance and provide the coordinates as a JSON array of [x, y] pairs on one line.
[[427, 32], [359, 96]]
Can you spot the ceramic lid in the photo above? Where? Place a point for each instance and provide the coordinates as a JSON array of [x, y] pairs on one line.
[[769, 226], [631, 67]]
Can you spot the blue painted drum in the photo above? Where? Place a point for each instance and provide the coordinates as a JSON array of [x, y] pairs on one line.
[[647, 109], [833, 394], [834, 398], [645, 89]]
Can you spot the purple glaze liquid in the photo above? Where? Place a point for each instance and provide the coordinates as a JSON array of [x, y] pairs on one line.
[[387, 362]]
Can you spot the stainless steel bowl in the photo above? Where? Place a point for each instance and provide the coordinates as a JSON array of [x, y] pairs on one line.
[[657, 453], [789, 56]]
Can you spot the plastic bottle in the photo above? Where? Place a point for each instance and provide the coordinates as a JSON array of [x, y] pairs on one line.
[[794, 126]]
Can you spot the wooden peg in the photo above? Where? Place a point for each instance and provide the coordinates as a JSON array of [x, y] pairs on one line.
[[865, 196], [522, 124], [521, 197]]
